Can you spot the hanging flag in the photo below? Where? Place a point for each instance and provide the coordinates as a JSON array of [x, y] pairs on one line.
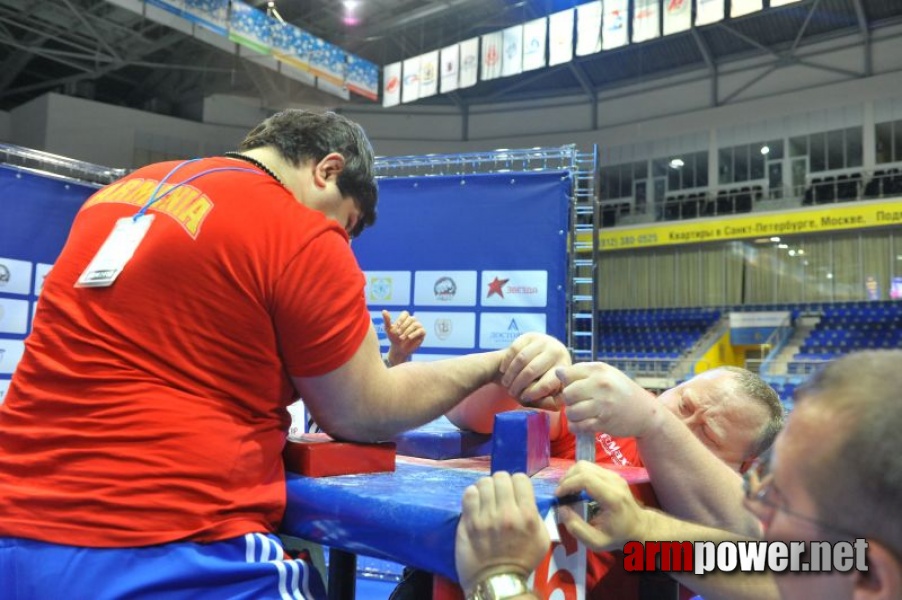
[[469, 62], [774, 3], [534, 35], [560, 37], [410, 88], [450, 61], [614, 25], [428, 74], [677, 16], [512, 43], [739, 8], [491, 56], [391, 85], [645, 20], [708, 11], [588, 28]]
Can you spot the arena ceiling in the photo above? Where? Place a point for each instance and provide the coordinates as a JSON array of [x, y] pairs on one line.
[[95, 49]]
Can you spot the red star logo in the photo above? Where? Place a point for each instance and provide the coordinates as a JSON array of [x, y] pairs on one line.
[[497, 287]]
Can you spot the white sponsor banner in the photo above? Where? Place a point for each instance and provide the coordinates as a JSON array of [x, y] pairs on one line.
[[759, 319], [677, 16], [4, 385], [450, 65], [391, 85], [560, 37], [588, 28], [739, 8], [10, 354], [615, 32], [499, 330], [645, 20], [490, 63], [15, 276], [774, 3], [14, 316], [512, 63], [428, 74], [445, 288], [535, 33], [469, 62], [448, 329], [410, 88], [387, 288], [708, 11], [514, 288], [41, 270]]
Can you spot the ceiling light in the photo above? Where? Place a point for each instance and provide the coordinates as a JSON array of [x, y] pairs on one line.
[[765, 150], [792, 252], [775, 239], [783, 246], [350, 5], [676, 163]]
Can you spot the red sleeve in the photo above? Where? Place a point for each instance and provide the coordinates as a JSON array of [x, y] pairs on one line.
[[319, 309], [565, 445]]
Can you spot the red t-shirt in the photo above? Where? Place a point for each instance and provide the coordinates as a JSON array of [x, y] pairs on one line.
[[154, 410], [605, 575]]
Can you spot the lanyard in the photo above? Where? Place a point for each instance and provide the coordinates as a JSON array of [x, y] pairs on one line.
[[154, 198]]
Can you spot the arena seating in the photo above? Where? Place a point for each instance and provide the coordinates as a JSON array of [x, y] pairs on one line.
[[847, 327], [653, 342], [650, 342]]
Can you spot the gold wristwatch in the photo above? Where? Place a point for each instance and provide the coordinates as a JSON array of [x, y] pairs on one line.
[[499, 587]]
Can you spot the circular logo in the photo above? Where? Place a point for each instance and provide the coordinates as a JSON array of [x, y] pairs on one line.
[[444, 289], [392, 84], [443, 328]]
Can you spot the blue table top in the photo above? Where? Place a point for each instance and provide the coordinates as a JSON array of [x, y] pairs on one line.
[[408, 516]]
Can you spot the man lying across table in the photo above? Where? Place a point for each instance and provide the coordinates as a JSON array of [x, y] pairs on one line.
[[717, 422]]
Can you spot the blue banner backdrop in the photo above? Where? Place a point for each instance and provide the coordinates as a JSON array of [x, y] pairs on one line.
[[36, 213], [478, 259]]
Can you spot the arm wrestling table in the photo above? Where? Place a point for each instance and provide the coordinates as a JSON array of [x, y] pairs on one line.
[[408, 516]]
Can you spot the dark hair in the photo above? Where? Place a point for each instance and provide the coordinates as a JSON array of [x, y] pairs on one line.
[[300, 136]]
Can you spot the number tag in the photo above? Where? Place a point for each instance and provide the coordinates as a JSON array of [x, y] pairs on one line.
[[115, 252]]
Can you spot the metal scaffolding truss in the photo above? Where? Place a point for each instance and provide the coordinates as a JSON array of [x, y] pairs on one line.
[[584, 216]]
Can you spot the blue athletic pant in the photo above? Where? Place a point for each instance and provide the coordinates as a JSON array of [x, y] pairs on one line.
[[250, 567]]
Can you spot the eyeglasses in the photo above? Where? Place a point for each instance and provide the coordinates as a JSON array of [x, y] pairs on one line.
[[764, 499]]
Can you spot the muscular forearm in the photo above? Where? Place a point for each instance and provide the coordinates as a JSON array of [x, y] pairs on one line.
[[376, 403], [477, 412], [426, 390], [690, 481]]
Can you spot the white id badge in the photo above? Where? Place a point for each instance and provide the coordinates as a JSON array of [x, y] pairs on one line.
[[115, 252]]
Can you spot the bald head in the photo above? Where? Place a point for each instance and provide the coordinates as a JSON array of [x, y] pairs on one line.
[[732, 411]]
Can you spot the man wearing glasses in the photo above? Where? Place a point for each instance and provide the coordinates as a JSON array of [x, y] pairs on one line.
[[833, 482], [693, 439]]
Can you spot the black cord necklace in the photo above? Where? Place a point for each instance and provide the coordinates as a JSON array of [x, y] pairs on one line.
[[256, 163]]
